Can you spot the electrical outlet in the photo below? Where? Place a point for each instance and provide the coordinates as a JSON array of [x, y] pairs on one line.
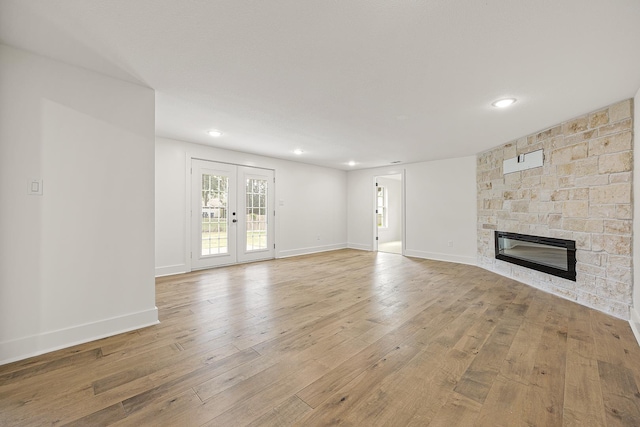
[[450, 243], [318, 238]]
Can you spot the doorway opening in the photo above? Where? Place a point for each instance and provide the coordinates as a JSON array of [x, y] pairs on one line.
[[389, 223]]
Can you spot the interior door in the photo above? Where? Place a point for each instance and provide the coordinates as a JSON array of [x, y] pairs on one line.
[[232, 214]]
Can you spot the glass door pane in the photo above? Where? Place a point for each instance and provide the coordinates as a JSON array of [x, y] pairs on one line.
[[215, 219], [256, 193]]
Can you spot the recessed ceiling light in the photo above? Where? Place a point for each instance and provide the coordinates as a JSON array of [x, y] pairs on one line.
[[352, 163], [501, 103], [214, 133], [298, 151]]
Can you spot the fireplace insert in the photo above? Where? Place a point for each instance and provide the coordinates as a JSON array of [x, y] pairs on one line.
[[546, 254]]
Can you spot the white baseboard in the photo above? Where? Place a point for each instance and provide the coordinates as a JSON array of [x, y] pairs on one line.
[[171, 269], [360, 246], [634, 321], [469, 260], [34, 345], [311, 250]]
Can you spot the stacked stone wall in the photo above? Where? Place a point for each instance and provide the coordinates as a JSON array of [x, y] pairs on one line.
[[583, 192]]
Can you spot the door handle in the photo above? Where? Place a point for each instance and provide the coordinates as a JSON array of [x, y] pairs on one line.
[[235, 220]]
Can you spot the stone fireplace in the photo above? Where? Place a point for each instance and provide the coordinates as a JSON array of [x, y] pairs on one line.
[[581, 193]]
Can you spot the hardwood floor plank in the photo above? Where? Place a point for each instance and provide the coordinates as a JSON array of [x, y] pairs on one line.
[[155, 410], [188, 380], [547, 382], [450, 367], [620, 393], [520, 360], [285, 414], [505, 404], [583, 401], [399, 397], [64, 353], [250, 399], [614, 339], [343, 374], [344, 337], [103, 417], [33, 370], [458, 411], [66, 403], [247, 410], [143, 369], [336, 408], [478, 379]]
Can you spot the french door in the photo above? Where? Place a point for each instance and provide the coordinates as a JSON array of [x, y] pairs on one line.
[[232, 214]]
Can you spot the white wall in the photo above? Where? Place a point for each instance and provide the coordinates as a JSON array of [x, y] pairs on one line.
[[310, 203], [393, 231], [440, 207], [635, 309], [76, 263]]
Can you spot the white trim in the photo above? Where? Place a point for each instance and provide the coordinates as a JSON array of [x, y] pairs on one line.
[[441, 257], [34, 345], [276, 215], [311, 250], [171, 270], [187, 211], [403, 213], [360, 247], [403, 201], [374, 244], [634, 321]]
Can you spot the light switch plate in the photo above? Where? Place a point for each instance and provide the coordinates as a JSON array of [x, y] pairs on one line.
[[34, 187]]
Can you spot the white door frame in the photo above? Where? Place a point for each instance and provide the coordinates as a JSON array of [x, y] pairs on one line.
[[188, 206], [403, 204]]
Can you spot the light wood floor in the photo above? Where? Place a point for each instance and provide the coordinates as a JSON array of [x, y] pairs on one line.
[[394, 247], [346, 337]]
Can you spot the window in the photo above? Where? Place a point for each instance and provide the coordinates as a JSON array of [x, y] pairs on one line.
[[381, 206]]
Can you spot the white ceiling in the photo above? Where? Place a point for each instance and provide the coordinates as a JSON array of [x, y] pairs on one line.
[[373, 81]]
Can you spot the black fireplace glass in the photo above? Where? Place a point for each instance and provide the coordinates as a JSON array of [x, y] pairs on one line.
[[549, 255]]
